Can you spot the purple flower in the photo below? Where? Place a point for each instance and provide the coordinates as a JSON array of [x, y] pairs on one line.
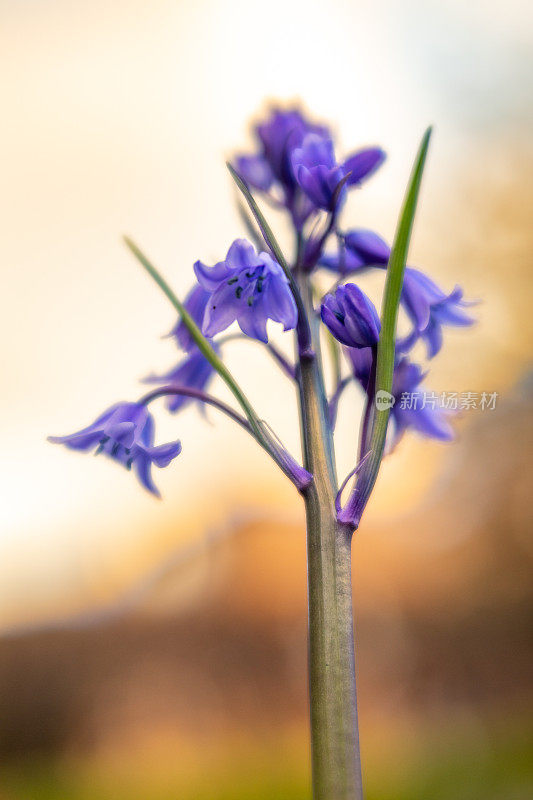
[[125, 432], [368, 246], [195, 303], [194, 372], [318, 174], [248, 287], [429, 308], [408, 409], [361, 248], [361, 360], [278, 136], [351, 316]]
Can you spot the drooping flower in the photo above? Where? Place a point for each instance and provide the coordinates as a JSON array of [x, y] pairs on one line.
[[368, 246], [351, 316], [195, 303], [125, 433], [409, 407], [194, 372], [361, 360], [429, 308], [247, 287], [319, 175], [411, 410], [359, 249], [278, 136], [426, 305]]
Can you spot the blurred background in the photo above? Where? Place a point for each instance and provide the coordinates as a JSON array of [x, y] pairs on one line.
[[158, 649]]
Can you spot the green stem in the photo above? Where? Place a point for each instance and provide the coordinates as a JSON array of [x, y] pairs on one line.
[[333, 703]]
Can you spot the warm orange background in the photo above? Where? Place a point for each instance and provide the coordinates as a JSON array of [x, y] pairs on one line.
[[117, 117]]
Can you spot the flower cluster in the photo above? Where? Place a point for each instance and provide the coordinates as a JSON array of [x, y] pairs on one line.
[[296, 165], [295, 168]]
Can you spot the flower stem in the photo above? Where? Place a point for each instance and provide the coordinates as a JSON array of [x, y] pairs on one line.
[[333, 704]]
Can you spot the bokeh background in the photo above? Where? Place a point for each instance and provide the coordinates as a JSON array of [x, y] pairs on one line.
[[158, 649]]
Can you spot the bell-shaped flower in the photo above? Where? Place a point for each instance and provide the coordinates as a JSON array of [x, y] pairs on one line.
[[247, 287], [351, 316], [194, 372], [195, 303], [409, 409], [319, 175], [278, 135], [359, 249], [429, 308], [125, 433], [426, 305]]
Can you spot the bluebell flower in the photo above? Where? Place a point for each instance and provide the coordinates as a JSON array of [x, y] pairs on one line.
[[195, 303], [247, 287], [408, 409], [361, 360], [412, 412], [351, 316], [318, 174], [368, 246], [278, 136], [429, 308], [194, 372], [426, 305], [125, 433], [359, 249]]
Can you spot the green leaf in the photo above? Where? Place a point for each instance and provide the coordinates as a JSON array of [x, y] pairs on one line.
[[353, 510]]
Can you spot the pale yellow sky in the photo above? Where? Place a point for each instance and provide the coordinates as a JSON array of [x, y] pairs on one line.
[[117, 117]]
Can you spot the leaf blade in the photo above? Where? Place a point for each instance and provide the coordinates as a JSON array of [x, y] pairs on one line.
[[352, 511]]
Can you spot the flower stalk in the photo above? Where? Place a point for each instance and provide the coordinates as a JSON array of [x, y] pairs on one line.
[[336, 761]]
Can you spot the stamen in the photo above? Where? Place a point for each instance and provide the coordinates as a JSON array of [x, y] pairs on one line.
[[250, 301], [232, 280], [100, 447], [238, 292]]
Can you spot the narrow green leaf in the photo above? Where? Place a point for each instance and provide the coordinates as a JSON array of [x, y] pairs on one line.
[[351, 513]]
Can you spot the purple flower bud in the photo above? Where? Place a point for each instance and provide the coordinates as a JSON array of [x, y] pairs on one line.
[[362, 248], [125, 433], [367, 246], [248, 287], [316, 171], [351, 317], [279, 135]]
